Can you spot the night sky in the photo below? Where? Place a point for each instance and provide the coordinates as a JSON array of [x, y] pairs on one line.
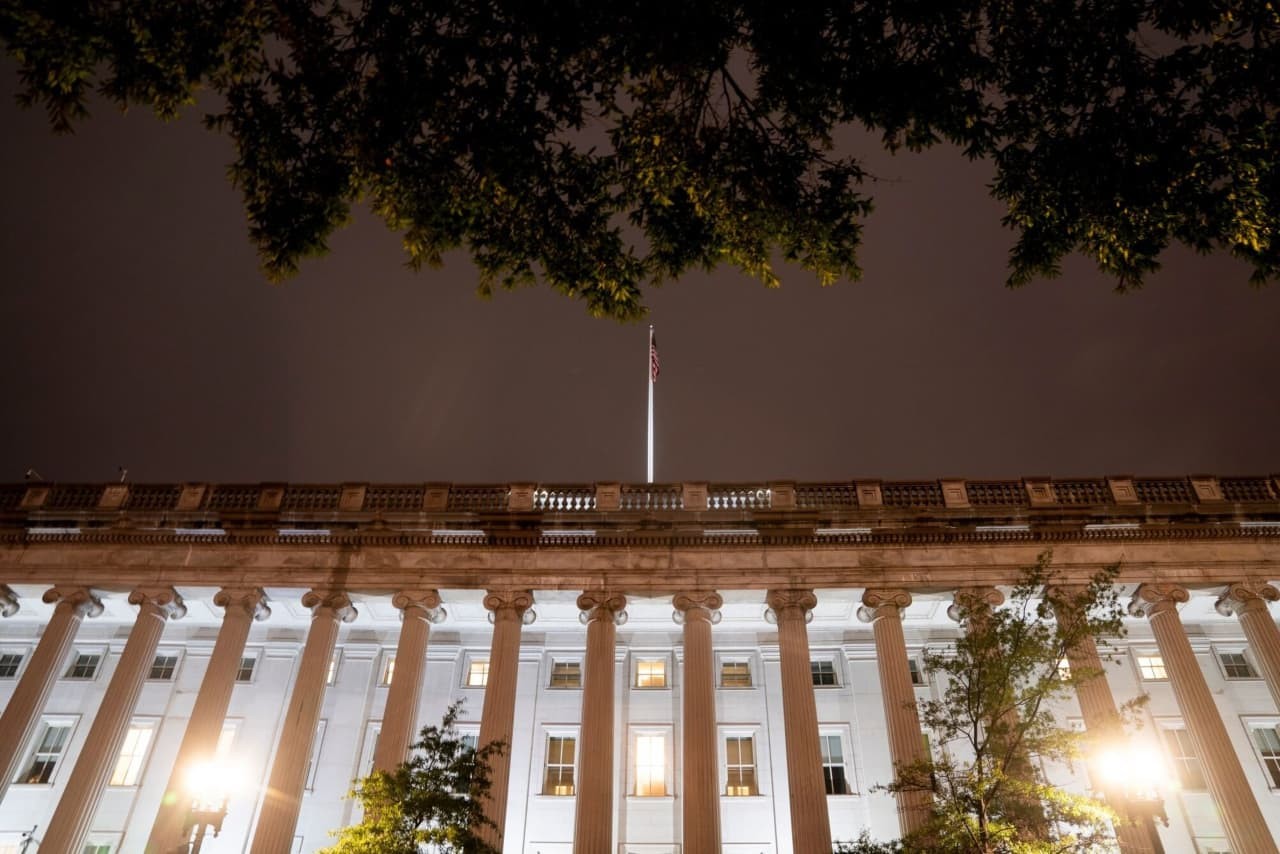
[[137, 331]]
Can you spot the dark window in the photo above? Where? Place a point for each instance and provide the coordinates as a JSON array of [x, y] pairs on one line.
[[824, 672]]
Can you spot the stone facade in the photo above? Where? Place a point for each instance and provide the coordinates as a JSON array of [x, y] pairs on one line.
[[306, 631]]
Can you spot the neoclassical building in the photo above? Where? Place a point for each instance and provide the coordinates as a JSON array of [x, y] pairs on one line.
[[677, 669]]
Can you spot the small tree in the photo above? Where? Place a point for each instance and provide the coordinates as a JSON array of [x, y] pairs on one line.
[[995, 714], [435, 798]]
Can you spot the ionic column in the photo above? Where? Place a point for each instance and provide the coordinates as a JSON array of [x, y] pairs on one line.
[[21, 715], [1099, 710], [698, 611], [1249, 603], [283, 797], [418, 610], [883, 610], [603, 612], [810, 825], [241, 608], [1245, 827], [509, 610], [70, 821]]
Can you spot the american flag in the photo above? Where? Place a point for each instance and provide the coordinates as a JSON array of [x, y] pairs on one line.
[[653, 357]]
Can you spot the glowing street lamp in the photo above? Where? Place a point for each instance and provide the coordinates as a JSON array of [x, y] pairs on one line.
[[210, 785], [1135, 773]]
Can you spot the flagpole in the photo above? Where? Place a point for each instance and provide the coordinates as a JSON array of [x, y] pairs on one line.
[[649, 371]]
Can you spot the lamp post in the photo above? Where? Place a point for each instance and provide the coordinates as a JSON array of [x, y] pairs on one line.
[[209, 785], [1131, 776]]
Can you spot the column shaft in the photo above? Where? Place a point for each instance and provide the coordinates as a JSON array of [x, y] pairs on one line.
[[701, 795], [400, 717], [79, 802], [497, 719], [810, 824], [883, 609], [1249, 603], [593, 819], [1241, 818], [283, 797], [200, 740], [18, 724]]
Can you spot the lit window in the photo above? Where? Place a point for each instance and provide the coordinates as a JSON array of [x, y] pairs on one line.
[[651, 673], [331, 675], [651, 766], [735, 674], [833, 773], [1064, 670], [84, 665], [1151, 667], [49, 746], [1267, 741], [1182, 754], [566, 674], [478, 673], [247, 665], [917, 676], [313, 759], [9, 664], [740, 765], [133, 752], [1236, 666], [558, 779], [824, 672], [388, 669], [162, 667]]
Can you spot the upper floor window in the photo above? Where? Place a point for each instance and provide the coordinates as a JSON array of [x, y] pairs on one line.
[[558, 776], [833, 769], [1182, 754], [1266, 740], [9, 664], [735, 674], [133, 753], [651, 765], [49, 745], [740, 765], [388, 669], [824, 672], [651, 673], [163, 666], [248, 664], [1236, 666], [477, 673], [331, 675], [566, 674], [84, 665], [917, 675], [1151, 667]]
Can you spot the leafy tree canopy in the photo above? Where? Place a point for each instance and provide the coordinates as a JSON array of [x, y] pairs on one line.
[[434, 799], [1000, 684], [598, 147]]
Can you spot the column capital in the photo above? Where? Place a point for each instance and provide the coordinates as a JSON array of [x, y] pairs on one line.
[[8, 601], [970, 600], [1245, 597], [602, 605], [792, 602], [83, 601], [516, 602], [697, 605], [426, 600], [883, 603], [164, 602], [1150, 600], [249, 600], [337, 601]]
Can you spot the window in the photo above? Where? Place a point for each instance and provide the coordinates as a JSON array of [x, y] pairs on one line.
[[469, 737], [1266, 740], [48, 750], [1151, 667], [566, 674], [833, 772], [740, 765], [162, 667], [9, 664], [1236, 666], [558, 779], [84, 665], [477, 673], [248, 664], [97, 848], [917, 675], [133, 753], [1064, 670], [824, 672], [372, 731], [388, 669], [651, 765], [332, 675], [1182, 754], [313, 761], [651, 673], [735, 674], [226, 738]]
